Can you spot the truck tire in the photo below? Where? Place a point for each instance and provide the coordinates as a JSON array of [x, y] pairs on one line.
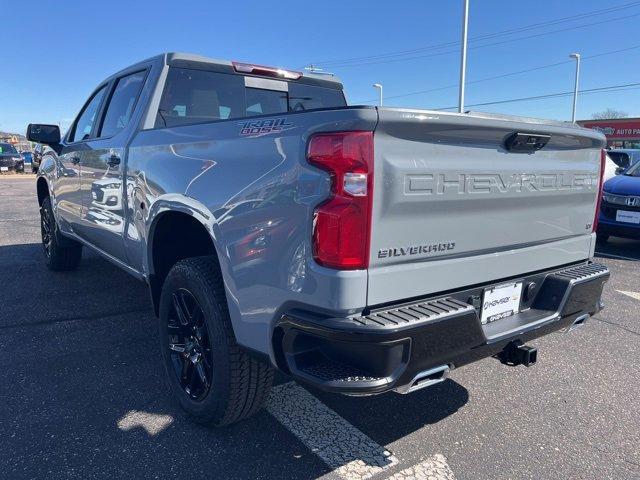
[[61, 254], [209, 375]]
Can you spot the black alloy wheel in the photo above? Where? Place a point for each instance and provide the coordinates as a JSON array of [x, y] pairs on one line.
[[196, 336], [189, 345], [61, 253], [47, 227]]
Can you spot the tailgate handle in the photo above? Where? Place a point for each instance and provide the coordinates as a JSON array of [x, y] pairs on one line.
[[525, 142]]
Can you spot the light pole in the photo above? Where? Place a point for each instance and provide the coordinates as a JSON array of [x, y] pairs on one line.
[[575, 88], [379, 87], [463, 59]]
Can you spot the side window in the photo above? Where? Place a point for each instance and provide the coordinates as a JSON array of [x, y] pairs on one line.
[[192, 96], [122, 104], [264, 102], [84, 123]]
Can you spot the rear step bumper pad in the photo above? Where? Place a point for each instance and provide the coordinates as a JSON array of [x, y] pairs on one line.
[[388, 348]]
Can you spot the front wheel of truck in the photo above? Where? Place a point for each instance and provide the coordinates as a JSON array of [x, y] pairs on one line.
[[61, 254], [209, 375]]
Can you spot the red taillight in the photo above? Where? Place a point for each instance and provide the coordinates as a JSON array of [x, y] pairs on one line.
[[603, 165], [265, 71], [342, 224]]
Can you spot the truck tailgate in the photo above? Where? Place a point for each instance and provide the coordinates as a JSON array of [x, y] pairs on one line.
[[454, 207]]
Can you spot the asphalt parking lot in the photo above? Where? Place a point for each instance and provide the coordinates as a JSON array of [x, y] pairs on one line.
[[83, 392]]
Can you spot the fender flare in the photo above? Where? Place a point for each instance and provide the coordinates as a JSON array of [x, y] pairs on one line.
[[178, 203]]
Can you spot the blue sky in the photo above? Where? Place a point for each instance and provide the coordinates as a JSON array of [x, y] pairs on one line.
[[55, 53]]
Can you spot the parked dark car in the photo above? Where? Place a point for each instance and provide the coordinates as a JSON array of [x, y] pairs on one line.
[[10, 159], [620, 210], [37, 157]]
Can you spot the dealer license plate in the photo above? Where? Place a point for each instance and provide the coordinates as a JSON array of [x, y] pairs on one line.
[[628, 217], [4, 169], [501, 302]]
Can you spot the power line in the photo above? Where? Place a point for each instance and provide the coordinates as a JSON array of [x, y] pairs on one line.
[[491, 35], [609, 88], [484, 36], [394, 60], [455, 85], [509, 74]]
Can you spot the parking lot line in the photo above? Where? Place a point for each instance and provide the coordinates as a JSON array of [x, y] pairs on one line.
[[350, 453], [435, 468], [634, 295]]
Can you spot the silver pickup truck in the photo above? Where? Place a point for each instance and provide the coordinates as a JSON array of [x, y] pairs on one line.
[[357, 249]]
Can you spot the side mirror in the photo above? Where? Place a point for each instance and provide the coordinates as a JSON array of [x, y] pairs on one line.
[[619, 170], [40, 133]]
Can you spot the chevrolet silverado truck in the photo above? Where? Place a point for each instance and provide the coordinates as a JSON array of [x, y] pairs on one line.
[[358, 249]]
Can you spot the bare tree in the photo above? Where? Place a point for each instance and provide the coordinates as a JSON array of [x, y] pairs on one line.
[[610, 113]]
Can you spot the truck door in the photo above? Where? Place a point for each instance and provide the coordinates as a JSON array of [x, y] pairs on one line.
[[76, 145], [104, 196]]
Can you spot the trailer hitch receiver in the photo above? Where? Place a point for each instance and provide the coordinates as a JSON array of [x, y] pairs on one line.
[[515, 353]]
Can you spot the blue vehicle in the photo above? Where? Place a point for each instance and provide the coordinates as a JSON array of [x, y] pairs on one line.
[[27, 157], [620, 210]]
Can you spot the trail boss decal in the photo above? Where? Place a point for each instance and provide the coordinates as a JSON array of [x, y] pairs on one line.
[[257, 128]]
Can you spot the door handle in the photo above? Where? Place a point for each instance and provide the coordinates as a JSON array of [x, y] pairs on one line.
[[113, 160]]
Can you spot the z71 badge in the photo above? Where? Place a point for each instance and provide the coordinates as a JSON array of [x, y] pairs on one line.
[[257, 128]]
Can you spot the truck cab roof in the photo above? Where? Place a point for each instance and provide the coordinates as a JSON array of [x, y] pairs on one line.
[[199, 62]]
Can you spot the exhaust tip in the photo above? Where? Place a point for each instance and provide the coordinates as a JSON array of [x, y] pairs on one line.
[[577, 323], [425, 379]]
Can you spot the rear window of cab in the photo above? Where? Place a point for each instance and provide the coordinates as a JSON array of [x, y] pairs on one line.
[[198, 96]]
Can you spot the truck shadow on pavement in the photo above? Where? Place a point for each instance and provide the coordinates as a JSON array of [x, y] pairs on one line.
[[84, 392], [617, 246]]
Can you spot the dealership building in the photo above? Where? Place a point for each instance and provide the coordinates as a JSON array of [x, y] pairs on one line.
[[620, 132]]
